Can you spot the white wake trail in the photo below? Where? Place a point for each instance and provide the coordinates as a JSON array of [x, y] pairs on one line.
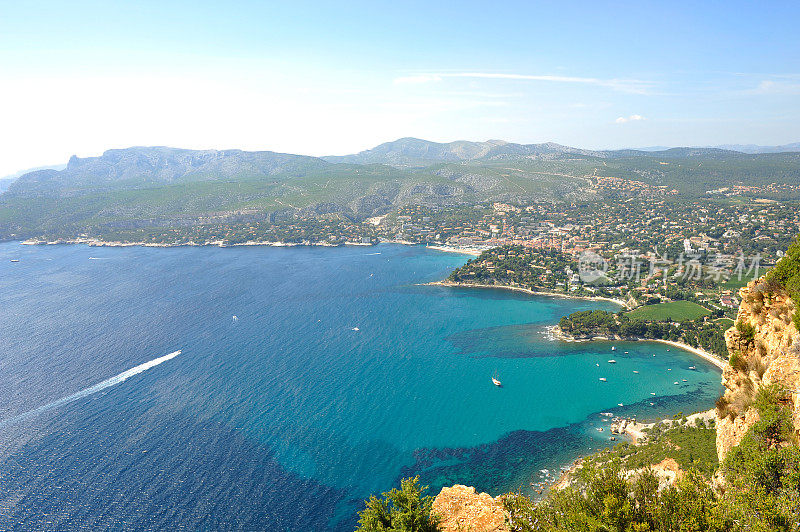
[[116, 379]]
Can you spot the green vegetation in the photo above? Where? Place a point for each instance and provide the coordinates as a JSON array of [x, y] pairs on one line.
[[787, 274], [691, 446], [400, 510], [762, 484], [702, 332], [671, 311]]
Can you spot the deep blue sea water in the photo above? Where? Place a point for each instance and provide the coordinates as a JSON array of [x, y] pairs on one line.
[[287, 418]]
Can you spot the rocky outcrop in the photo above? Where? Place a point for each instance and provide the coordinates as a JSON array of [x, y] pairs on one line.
[[764, 348], [461, 509]]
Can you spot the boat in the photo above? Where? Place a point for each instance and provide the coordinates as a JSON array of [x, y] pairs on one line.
[[613, 348], [356, 329], [598, 364], [602, 379], [599, 429], [692, 367], [14, 260], [612, 361], [620, 404], [676, 382], [652, 393], [635, 371], [684, 380], [626, 352], [235, 318], [495, 380]]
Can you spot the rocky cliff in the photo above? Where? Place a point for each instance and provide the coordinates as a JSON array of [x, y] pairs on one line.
[[461, 509], [764, 348]]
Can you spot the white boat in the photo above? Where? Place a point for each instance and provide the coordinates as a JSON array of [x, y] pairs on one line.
[[635, 371], [355, 329], [692, 367], [602, 379], [684, 380], [676, 382], [599, 429], [495, 380], [652, 393], [613, 348], [235, 318], [14, 260], [612, 361]]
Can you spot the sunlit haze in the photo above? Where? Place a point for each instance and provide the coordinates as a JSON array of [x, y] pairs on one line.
[[327, 78]]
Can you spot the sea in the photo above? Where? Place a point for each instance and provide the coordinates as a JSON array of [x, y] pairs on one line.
[[264, 388]]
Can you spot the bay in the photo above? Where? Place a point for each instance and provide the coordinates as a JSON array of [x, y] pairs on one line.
[[340, 374]]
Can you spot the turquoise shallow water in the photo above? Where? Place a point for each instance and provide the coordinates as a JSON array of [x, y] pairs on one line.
[[286, 418]]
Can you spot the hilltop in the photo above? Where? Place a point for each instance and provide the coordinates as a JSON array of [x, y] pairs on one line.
[[158, 188]]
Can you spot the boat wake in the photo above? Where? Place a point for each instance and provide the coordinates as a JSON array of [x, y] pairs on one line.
[[116, 379]]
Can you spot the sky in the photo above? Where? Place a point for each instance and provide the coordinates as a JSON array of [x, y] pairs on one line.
[[329, 78]]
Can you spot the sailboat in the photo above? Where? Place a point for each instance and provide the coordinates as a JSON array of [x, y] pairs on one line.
[[495, 380]]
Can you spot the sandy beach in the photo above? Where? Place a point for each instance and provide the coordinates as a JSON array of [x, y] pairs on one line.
[[464, 251], [705, 355]]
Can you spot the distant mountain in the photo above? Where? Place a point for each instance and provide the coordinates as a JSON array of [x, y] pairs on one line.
[[412, 152], [6, 181], [753, 148], [158, 187], [147, 166], [741, 148]]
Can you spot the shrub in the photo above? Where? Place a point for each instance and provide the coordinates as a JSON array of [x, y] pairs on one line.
[[400, 510], [746, 331]]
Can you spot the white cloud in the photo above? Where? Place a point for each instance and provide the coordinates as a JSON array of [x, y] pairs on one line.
[[775, 87], [623, 85], [632, 118]]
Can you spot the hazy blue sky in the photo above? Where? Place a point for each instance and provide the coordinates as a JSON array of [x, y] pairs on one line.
[[337, 77]]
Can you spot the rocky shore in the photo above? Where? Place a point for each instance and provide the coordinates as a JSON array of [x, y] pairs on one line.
[[527, 291]]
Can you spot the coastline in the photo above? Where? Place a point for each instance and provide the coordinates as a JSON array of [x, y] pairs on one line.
[[702, 353], [95, 242], [215, 243], [527, 291], [557, 333], [464, 251]]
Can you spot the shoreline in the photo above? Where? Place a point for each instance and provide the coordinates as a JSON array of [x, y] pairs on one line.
[[93, 242], [527, 291], [702, 353], [450, 249], [558, 334]]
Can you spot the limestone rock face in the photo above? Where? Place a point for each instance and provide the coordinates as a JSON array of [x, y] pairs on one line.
[[767, 353], [461, 509]]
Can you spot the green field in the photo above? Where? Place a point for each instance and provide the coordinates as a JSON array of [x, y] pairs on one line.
[[735, 283], [725, 322], [674, 310]]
